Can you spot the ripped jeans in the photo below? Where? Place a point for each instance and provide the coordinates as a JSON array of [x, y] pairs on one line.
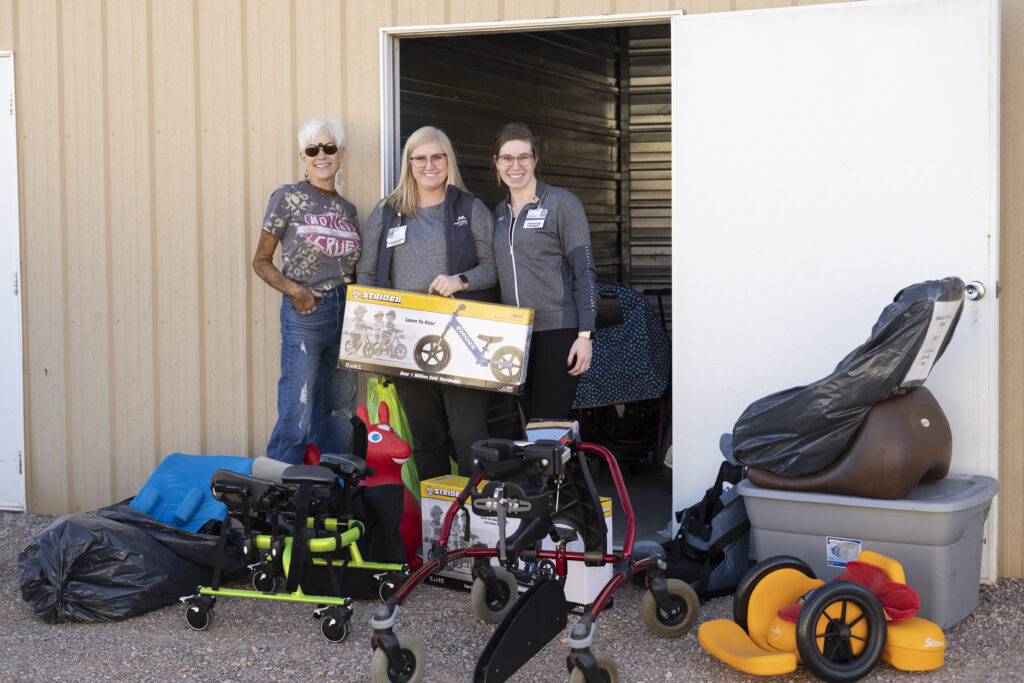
[[315, 398]]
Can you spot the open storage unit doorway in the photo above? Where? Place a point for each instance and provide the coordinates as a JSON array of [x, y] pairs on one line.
[[823, 157], [599, 99]]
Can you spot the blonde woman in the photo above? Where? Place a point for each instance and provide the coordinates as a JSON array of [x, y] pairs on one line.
[[431, 235]]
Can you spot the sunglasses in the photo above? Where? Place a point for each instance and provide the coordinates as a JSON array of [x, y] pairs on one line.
[[329, 148]]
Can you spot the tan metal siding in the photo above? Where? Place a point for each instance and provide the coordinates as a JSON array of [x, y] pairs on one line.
[[1011, 311], [151, 134]]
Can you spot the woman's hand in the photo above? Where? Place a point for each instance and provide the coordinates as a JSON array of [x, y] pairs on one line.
[[304, 299], [446, 285], [580, 354]]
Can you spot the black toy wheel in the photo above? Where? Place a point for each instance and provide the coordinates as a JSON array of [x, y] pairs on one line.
[[492, 609], [677, 620], [432, 353], [266, 581], [368, 348], [198, 617], [507, 364], [334, 626], [741, 599], [841, 631], [399, 351], [606, 667], [411, 669]]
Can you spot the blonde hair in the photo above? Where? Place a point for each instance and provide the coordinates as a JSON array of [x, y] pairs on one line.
[[405, 197]]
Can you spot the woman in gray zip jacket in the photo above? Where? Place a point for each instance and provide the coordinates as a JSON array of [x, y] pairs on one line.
[[544, 261]]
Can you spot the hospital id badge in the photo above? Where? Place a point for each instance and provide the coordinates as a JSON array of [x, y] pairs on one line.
[[535, 219], [396, 236]]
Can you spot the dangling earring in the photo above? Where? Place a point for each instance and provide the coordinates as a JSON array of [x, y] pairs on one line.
[[339, 178], [307, 174]]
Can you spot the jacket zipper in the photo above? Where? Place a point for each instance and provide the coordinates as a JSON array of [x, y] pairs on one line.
[[511, 251]]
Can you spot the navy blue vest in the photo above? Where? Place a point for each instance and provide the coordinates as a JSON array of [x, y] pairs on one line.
[[458, 212]]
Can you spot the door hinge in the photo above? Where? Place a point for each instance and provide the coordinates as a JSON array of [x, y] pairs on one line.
[[15, 283], [999, 288], [21, 469]]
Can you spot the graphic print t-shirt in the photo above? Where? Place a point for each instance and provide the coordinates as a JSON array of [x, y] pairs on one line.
[[319, 235]]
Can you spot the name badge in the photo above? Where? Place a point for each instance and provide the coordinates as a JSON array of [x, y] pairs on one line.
[[535, 219], [396, 236]]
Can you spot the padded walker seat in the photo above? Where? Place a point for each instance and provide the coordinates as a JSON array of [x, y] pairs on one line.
[[903, 441]]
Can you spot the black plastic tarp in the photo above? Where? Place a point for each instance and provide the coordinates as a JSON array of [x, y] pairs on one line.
[[116, 563], [804, 429]]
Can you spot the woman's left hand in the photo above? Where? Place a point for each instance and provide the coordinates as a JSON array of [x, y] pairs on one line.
[[446, 285], [579, 356]]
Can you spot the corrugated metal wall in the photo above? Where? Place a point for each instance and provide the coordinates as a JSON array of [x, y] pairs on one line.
[[151, 133]]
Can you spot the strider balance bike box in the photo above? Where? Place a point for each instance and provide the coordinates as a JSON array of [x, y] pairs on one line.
[[582, 584], [436, 338]]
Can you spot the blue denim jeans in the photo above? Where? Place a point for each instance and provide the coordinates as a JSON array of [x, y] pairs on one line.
[[315, 398]]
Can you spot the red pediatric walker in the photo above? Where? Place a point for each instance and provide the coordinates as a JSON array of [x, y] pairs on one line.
[[545, 482]]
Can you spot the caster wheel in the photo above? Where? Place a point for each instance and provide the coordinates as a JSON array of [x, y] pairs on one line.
[[492, 609], [334, 627], [676, 621], [606, 666], [266, 581], [389, 585], [411, 669], [199, 617], [841, 631], [741, 598]]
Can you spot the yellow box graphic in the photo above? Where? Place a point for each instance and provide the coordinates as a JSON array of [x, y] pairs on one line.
[[435, 338]]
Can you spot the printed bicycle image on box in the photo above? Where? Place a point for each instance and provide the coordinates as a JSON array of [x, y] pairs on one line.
[[419, 336]]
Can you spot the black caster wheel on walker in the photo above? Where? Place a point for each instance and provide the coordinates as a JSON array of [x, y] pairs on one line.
[[334, 624], [841, 631], [674, 618], [266, 581], [492, 607], [199, 616], [410, 670], [606, 668]]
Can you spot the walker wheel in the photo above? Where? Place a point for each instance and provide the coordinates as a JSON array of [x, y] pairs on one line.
[[741, 598], [389, 585], [606, 666], [841, 631], [679, 618], [411, 669], [334, 626], [491, 609], [266, 581], [198, 617]]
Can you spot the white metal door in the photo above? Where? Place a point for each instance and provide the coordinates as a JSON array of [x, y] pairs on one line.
[[12, 421], [824, 157]]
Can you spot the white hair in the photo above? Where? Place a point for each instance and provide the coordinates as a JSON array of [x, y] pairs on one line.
[[310, 128]]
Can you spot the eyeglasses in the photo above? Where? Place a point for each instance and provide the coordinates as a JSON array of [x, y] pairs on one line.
[[435, 159], [329, 148], [507, 160]]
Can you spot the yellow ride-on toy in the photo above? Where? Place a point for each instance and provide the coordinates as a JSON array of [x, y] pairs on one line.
[[841, 628]]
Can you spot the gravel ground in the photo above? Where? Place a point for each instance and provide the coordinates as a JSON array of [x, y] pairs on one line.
[[265, 641]]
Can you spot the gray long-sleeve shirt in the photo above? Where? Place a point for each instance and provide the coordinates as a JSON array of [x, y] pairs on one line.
[[423, 255], [544, 260]]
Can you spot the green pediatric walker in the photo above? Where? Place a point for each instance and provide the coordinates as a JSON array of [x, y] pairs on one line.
[[292, 561]]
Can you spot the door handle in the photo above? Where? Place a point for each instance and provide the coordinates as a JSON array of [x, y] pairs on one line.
[[974, 290]]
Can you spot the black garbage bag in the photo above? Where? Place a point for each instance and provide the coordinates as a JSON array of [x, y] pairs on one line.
[[117, 562], [804, 429]]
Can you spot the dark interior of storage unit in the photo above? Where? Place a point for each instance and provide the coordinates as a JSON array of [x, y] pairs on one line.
[[599, 99]]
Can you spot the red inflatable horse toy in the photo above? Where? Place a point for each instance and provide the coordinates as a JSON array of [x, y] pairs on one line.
[[385, 453]]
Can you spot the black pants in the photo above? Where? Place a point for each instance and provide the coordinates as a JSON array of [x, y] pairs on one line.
[[442, 418], [550, 389]]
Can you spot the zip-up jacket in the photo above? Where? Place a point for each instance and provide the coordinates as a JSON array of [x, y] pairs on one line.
[[544, 260]]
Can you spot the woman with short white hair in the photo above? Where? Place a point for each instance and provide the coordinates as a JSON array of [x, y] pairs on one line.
[[318, 231]]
